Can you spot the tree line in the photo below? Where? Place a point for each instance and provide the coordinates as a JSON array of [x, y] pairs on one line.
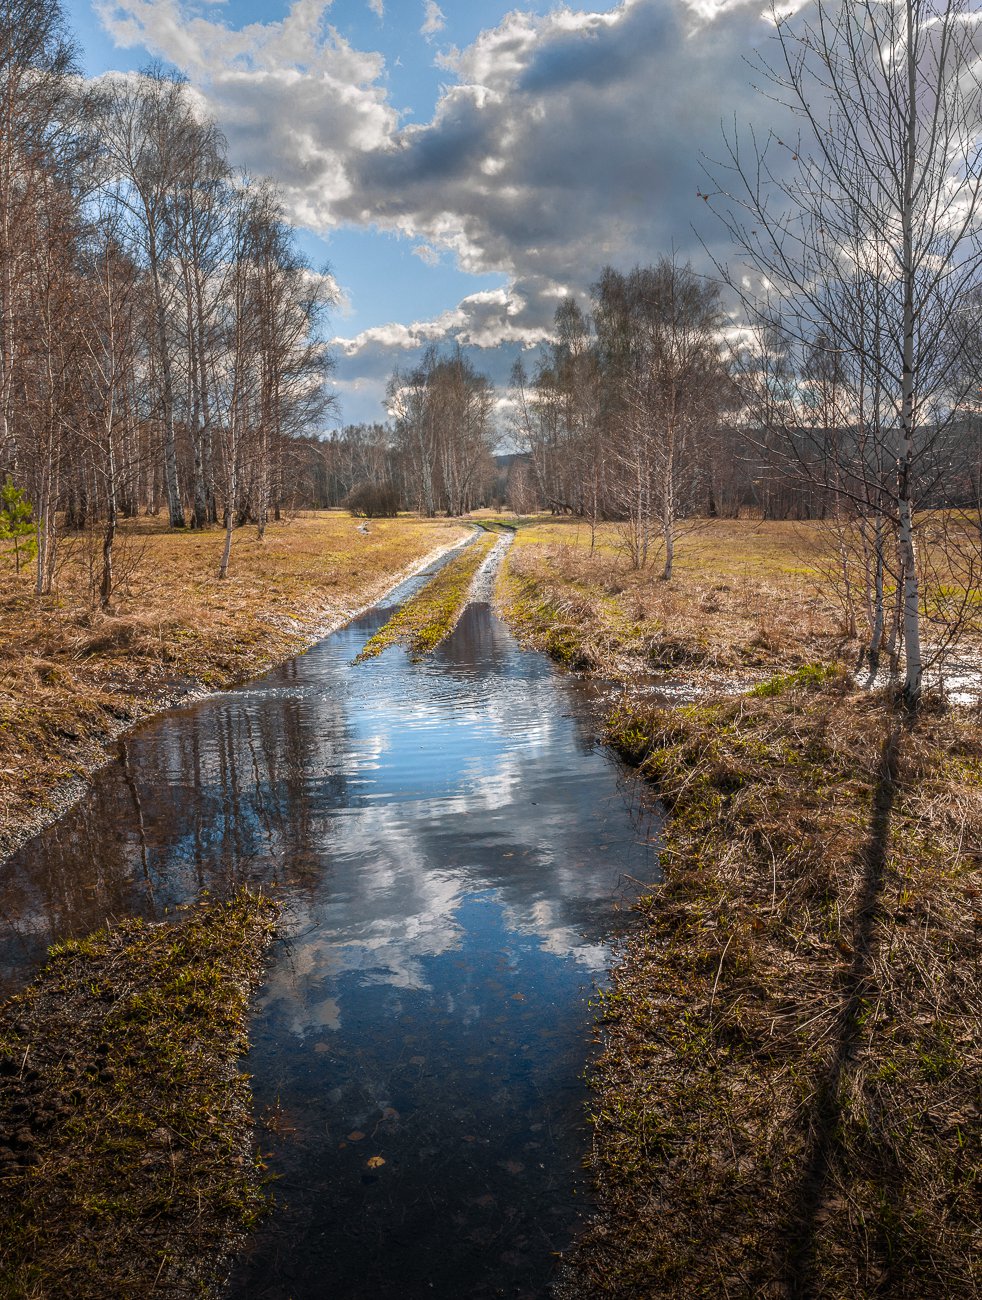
[[160, 351], [159, 329]]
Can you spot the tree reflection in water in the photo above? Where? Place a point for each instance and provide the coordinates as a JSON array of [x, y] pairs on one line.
[[450, 847]]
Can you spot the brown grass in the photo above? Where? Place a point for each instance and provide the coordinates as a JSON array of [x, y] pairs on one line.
[[787, 1100], [745, 596], [787, 1103], [71, 678]]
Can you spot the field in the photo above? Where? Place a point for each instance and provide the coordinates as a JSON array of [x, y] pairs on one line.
[[73, 678]]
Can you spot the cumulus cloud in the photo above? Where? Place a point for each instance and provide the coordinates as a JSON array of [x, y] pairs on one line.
[[568, 141], [295, 100], [378, 8], [564, 142]]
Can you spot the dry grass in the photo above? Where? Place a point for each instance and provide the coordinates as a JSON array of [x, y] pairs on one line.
[[746, 596], [71, 678], [788, 1103], [787, 1100], [126, 1161]]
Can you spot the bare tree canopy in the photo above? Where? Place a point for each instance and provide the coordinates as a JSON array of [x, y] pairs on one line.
[[863, 237]]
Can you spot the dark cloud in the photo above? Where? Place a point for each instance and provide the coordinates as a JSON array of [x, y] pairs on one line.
[[571, 140]]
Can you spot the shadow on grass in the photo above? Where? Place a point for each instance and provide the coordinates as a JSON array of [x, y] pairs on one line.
[[824, 1146]]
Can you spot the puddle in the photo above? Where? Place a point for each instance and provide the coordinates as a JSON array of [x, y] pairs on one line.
[[453, 853]]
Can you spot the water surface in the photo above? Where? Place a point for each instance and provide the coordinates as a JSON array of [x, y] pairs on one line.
[[452, 850]]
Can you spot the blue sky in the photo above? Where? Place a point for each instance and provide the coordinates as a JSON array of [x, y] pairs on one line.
[[460, 166]]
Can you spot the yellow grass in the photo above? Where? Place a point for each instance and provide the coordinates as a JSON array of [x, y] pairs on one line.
[[746, 596]]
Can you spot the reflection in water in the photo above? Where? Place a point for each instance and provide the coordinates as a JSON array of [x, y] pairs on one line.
[[449, 847]]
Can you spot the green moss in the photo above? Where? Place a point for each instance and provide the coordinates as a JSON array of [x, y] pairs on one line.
[[809, 677], [431, 615], [137, 1173]]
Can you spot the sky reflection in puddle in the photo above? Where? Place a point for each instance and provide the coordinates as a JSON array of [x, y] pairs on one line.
[[451, 849]]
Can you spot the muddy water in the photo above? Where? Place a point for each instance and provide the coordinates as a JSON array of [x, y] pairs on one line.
[[451, 849]]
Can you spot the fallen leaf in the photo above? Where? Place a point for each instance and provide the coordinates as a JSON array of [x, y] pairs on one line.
[[376, 1162], [357, 1136]]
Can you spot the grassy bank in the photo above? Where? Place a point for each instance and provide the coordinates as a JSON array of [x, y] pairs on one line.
[[126, 1159], [746, 598], [786, 1102], [432, 614], [73, 678]]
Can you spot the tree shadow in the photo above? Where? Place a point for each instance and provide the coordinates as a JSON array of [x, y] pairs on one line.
[[824, 1144]]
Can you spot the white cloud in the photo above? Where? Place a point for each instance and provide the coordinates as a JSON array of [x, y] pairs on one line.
[[378, 8], [566, 141], [294, 98], [433, 21]]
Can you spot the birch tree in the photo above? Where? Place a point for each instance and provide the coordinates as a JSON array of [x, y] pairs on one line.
[[865, 230], [659, 335]]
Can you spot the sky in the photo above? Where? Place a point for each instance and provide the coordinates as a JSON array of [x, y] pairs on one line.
[[460, 166]]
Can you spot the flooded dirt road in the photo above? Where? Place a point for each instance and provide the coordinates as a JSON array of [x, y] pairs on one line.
[[453, 853]]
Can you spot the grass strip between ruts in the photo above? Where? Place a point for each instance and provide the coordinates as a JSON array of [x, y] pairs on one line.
[[127, 1165], [431, 615]]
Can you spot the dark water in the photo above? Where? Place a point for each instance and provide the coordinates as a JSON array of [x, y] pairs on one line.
[[451, 849]]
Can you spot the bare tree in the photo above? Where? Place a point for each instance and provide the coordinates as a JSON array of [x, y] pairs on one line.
[[659, 336], [149, 134], [866, 231]]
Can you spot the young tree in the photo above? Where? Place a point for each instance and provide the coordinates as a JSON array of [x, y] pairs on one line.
[[16, 520], [866, 231]]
